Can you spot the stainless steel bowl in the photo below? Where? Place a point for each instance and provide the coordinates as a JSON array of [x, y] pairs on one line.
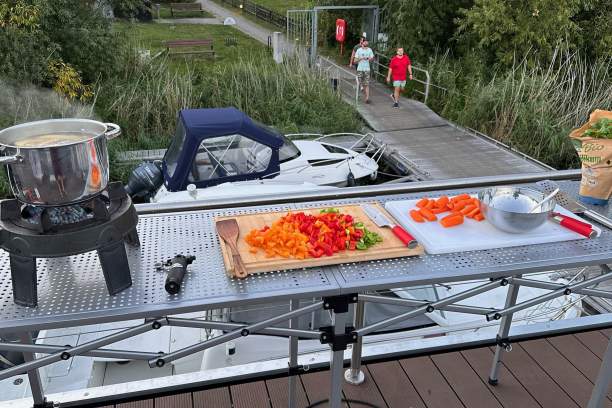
[[507, 208]]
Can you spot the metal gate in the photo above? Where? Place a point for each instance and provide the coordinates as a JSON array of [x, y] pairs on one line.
[[299, 31], [302, 26]]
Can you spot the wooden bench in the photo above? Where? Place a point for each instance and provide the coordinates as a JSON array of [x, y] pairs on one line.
[[190, 47], [185, 7]]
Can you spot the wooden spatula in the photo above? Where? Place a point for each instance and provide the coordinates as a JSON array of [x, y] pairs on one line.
[[228, 230]]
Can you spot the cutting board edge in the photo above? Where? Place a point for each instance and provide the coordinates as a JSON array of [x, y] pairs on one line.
[[326, 261]]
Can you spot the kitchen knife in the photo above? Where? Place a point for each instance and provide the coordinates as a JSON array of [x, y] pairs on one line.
[[382, 220], [574, 225]]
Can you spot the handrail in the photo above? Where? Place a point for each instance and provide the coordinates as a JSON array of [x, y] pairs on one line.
[[356, 192], [342, 69], [426, 83]]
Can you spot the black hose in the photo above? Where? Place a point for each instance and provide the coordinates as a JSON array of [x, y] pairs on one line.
[[350, 401]]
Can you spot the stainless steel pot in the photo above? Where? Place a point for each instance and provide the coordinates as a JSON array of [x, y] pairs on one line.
[[57, 173]]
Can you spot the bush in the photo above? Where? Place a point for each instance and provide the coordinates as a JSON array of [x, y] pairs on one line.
[[530, 108]]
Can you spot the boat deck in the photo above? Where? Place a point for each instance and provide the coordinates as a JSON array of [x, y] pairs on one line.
[[554, 372]]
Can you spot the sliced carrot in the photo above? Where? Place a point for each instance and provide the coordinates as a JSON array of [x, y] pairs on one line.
[[439, 210], [473, 213], [479, 217], [430, 204], [416, 216], [459, 205], [442, 202], [461, 197], [253, 250], [422, 202], [476, 202], [468, 208], [429, 216], [451, 220]]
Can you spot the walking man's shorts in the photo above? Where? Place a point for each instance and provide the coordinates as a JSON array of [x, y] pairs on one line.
[[399, 84], [364, 77]]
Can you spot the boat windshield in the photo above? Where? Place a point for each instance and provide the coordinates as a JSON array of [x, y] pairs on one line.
[[176, 148], [288, 151]]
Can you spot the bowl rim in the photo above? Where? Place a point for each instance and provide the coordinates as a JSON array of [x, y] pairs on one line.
[[552, 202]]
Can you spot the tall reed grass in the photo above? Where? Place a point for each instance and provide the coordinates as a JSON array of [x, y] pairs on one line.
[[531, 108], [289, 96]]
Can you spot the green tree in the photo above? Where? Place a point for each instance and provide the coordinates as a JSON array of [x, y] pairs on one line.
[[422, 26], [507, 30]]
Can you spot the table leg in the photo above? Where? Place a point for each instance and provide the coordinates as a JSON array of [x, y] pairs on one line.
[[337, 362], [33, 375], [293, 355], [504, 329], [354, 375], [603, 380]]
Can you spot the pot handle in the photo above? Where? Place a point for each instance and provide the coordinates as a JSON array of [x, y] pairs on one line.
[[11, 159], [114, 131]]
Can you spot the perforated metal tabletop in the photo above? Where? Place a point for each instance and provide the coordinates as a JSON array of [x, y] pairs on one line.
[[72, 290], [477, 264]]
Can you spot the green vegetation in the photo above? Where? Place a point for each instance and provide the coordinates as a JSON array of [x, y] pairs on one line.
[[153, 36], [164, 12], [139, 87], [602, 129], [282, 6]]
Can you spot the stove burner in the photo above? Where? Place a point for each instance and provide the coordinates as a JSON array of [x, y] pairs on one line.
[[103, 224], [57, 215]]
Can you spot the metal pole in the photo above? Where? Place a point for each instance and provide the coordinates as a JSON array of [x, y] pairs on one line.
[[245, 331], [49, 349], [603, 380], [337, 363], [207, 324], [293, 355], [354, 375], [33, 375], [313, 46], [79, 350], [504, 329]]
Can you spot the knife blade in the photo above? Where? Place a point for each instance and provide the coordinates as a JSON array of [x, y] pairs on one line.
[[382, 220]]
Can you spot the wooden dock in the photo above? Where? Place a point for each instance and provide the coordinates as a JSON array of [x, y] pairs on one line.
[[434, 148], [557, 372]]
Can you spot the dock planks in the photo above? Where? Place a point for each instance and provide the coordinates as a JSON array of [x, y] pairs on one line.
[[556, 372]]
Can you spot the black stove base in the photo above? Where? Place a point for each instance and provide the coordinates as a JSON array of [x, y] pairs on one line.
[[113, 260], [112, 226]]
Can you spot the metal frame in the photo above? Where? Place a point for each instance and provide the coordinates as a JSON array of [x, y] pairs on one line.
[[337, 295]]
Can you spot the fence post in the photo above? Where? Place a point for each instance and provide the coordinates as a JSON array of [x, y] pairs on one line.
[[277, 52]]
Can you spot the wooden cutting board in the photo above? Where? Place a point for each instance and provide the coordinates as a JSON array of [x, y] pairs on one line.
[[391, 247]]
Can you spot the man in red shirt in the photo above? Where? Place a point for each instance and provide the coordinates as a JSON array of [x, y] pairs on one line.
[[397, 68]]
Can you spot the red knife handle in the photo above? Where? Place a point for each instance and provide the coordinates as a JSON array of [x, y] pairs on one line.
[[404, 236], [574, 220], [577, 227]]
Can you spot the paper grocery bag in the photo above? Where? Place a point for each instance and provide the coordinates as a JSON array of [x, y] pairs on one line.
[[596, 157]]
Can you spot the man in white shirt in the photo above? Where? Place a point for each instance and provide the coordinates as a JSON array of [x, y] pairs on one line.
[[363, 56]]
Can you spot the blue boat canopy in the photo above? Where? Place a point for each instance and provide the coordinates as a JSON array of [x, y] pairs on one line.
[[214, 146], [205, 123]]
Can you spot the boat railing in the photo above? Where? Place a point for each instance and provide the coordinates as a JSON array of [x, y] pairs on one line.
[[364, 143]]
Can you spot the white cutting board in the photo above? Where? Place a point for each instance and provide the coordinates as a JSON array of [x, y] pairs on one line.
[[473, 235]]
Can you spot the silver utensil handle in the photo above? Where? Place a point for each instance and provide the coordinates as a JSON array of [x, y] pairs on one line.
[[598, 217], [11, 159]]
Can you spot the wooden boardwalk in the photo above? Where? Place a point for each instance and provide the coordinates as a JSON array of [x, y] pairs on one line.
[[556, 372], [433, 146]]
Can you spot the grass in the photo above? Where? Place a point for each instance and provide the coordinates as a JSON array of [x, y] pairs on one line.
[[250, 17], [153, 35], [164, 12], [282, 6]]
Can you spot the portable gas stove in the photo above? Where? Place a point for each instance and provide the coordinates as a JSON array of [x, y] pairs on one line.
[[104, 224]]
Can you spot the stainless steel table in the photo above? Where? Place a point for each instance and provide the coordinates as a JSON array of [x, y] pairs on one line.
[[72, 291]]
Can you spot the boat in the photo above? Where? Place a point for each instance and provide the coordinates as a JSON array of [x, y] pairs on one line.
[[221, 153]]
